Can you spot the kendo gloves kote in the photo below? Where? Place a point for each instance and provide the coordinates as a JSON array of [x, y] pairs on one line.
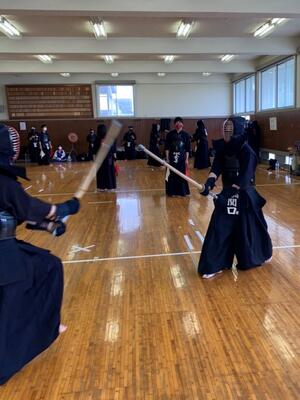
[[55, 225], [208, 186], [69, 207]]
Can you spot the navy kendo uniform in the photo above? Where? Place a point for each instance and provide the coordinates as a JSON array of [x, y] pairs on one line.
[[178, 145], [237, 226], [31, 278]]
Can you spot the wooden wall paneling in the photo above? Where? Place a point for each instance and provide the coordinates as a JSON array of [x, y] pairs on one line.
[[49, 101], [288, 129]]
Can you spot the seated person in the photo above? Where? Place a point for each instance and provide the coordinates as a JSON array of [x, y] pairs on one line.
[[60, 155]]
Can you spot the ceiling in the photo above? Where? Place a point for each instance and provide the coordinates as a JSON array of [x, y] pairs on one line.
[[140, 32]]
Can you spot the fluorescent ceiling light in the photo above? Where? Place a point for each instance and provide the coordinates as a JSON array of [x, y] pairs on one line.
[[65, 74], [108, 59], [264, 29], [227, 58], [278, 21], [169, 59], [114, 74], [206, 73], [98, 28], [160, 74], [184, 30], [268, 26], [8, 29], [45, 58]]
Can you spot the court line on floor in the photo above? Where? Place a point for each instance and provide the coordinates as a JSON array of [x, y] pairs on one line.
[[101, 202], [97, 193], [278, 184], [182, 253], [150, 190]]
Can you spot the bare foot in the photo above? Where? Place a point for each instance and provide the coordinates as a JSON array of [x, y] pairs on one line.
[[62, 328]]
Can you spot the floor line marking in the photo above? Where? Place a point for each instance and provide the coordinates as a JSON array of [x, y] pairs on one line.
[[96, 259], [188, 242], [139, 190], [153, 190], [292, 246], [182, 253], [278, 184], [101, 202], [191, 222], [97, 193]]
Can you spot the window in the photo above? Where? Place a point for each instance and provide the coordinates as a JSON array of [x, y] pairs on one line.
[[244, 95], [277, 86], [271, 156], [115, 100], [288, 160], [268, 88], [286, 82], [247, 117], [239, 93], [250, 94]]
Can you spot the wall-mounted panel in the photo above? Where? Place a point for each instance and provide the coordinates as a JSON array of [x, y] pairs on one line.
[[49, 101]]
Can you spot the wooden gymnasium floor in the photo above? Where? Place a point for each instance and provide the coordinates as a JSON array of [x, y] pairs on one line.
[[141, 323]]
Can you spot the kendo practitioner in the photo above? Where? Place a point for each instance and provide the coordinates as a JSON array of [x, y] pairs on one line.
[[45, 146], [201, 155], [253, 136], [154, 145], [31, 278], [106, 174], [237, 226], [177, 148], [91, 139], [33, 145], [129, 141]]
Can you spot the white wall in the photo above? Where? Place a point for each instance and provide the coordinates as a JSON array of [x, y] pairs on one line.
[[177, 94], [186, 100]]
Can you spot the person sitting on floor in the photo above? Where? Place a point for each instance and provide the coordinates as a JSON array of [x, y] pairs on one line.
[[60, 155]]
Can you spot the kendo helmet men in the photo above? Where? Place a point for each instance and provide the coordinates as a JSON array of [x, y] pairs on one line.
[[233, 127]]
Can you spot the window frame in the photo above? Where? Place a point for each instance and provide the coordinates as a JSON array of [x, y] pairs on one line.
[[235, 83], [108, 83], [276, 65]]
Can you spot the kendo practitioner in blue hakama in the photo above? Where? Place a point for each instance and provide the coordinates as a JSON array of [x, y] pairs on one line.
[[45, 146], [154, 146], [106, 174], [177, 148], [129, 141], [31, 278], [34, 145], [237, 226], [91, 139], [201, 155]]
